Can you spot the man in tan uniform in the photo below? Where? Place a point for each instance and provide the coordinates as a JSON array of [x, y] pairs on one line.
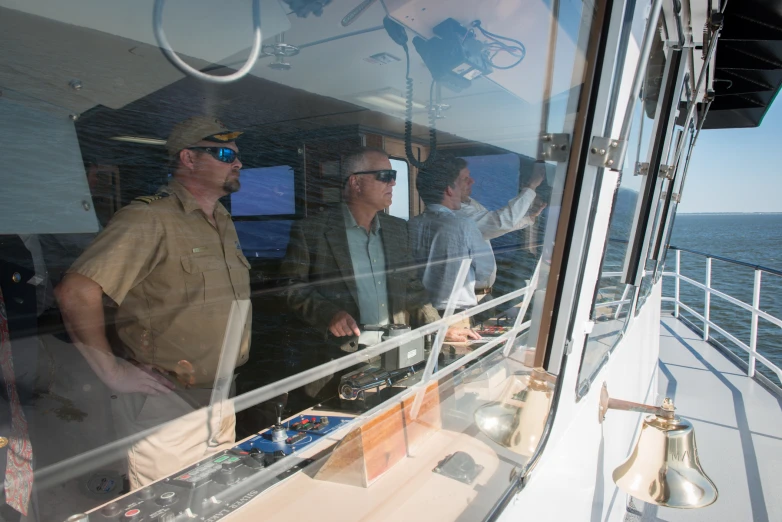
[[173, 265]]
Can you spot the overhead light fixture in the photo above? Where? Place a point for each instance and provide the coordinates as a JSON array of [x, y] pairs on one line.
[[141, 140], [387, 99]]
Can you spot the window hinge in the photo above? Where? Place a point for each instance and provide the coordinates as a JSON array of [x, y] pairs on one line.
[[641, 169], [607, 152], [554, 147], [676, 197], [666, 171]]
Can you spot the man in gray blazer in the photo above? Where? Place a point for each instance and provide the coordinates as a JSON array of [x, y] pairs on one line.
[[351, 265]]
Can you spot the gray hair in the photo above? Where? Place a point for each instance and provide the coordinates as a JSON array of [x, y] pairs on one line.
[[355, 161]]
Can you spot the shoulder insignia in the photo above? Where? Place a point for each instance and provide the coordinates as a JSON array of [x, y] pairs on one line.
[[150, 199]]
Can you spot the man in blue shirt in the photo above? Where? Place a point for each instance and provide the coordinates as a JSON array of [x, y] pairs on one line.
[[441, 239]]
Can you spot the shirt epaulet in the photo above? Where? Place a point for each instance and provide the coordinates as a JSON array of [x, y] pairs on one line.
[[154, 197]]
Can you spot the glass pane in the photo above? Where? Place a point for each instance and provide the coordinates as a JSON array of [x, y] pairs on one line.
[[400, 206], [653, 266], [204, 288], [613, 300], [681, 172]]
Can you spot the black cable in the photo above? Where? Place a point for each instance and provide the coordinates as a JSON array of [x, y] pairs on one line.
[[409, 123], [503, 47]]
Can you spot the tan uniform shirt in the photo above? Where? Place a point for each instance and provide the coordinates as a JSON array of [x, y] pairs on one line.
[[174, 276]]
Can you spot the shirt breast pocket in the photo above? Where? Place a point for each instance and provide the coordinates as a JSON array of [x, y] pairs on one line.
[[201, 273], [240, 277]]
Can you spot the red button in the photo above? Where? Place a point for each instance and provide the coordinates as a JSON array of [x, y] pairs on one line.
[[132, 513]]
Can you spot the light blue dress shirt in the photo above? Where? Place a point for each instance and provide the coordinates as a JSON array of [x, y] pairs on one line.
[[369, 267], [440, 240]]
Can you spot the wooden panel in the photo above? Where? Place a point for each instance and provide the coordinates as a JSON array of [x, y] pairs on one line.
[[372, 449], [373, 140], [428, 421]]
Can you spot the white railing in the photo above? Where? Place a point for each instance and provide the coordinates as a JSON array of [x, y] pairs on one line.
[[708, 324]]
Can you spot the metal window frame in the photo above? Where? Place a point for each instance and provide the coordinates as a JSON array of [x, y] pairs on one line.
[[671, 205], [643, 225], [565, 279]]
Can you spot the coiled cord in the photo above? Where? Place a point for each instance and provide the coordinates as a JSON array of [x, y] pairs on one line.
[[409, 124]]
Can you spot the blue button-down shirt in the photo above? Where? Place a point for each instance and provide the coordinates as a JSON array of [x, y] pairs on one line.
[[369, 267], [440, 240]]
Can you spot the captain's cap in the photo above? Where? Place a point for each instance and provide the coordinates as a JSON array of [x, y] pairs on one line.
[[189, 132]]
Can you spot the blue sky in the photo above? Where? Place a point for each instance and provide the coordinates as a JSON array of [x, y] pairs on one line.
[[737, 170]]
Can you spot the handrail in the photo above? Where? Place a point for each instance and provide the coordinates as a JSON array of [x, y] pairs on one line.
[[708, 291], [729, 260], [59, 472]]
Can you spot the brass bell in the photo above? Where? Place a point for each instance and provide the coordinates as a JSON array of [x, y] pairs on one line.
[[664, 469], [517, 419]]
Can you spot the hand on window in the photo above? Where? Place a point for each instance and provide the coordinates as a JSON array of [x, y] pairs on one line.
[[126, 377]]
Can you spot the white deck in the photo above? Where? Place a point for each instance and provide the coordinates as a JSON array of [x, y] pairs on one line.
[[738, 426]]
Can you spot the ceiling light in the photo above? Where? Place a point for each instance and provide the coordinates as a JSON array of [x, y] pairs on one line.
[[389, 99], [140, 140]]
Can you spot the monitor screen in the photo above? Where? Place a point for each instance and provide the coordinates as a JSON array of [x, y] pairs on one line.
[[266, 191]]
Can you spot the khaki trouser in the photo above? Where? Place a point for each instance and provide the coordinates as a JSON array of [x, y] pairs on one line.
[[183, 433]]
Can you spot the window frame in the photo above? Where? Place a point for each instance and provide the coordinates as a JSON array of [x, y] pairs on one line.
[[643, 223]]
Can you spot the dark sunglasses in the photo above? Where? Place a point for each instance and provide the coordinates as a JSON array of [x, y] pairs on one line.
[[386, 176], [223, 154]]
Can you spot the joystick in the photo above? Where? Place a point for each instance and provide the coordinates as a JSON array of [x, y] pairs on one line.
[[279, 433]]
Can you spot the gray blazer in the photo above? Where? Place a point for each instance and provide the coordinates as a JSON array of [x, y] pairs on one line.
[[321, 282]]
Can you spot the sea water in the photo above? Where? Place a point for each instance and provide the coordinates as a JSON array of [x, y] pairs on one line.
[[751, 238]]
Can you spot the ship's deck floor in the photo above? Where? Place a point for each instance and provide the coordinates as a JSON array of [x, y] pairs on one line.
[[738, 427]]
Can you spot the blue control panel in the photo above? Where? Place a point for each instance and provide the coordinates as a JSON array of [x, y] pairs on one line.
[[301, 431], [214, 487]]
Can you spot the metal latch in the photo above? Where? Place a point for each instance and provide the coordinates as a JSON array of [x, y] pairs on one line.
[[554, 147], [676, 197], [641, 169], [607, 152]]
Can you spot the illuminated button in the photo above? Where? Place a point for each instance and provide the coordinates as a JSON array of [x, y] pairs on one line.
[[169, 497], [132, 514]]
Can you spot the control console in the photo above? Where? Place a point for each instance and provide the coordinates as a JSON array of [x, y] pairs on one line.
[[221, 484]]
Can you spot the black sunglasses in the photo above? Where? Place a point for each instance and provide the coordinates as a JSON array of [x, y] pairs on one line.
[[386, 175], [224, 154]]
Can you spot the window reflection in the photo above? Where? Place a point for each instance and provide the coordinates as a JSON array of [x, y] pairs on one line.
[[205, 268]]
